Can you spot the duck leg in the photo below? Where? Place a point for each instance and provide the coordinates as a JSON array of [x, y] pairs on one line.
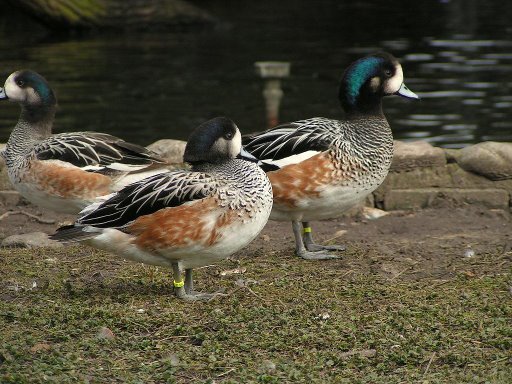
[[300, 249], [184, 289], [189, 281], [312, 246]]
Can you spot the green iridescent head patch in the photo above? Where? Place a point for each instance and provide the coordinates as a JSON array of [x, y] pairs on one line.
[[358, 74]]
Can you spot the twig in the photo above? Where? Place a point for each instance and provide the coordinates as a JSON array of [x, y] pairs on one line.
[[403, 271], [7, 214], [259, 297], [37, 218], [429, 363], [227, 372]]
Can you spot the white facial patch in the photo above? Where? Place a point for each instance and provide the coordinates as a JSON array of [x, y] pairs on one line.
[[236, 144], [229, 147], [393, 84], [20, 95]]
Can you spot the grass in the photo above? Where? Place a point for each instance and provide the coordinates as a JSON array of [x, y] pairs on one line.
[[290, 321]]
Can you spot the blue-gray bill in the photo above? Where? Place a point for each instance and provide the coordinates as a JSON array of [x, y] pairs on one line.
[[406, 92], [3, 95], [247, 156]]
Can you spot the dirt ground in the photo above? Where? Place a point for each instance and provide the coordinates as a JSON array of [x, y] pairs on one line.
[[412, 245], [417, 297]]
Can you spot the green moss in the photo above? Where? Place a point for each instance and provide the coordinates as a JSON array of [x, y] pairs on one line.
[[302, 322]]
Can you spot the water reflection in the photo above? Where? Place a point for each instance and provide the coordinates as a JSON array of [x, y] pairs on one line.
[[457, 55]]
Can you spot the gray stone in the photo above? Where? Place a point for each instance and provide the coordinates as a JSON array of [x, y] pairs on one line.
[[490, 159], [416, 154], [2, 160], [30, 240], [449, 176], [105, 333], [9, 198], [5, 184], [170, 150], [399, 199]]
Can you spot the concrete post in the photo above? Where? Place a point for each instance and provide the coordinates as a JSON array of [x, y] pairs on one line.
[[272, 72]]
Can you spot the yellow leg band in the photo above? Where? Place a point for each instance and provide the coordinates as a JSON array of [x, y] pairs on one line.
[[179, 284], [307, 229]]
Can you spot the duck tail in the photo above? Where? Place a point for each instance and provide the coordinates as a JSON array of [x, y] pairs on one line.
[[72, 234]]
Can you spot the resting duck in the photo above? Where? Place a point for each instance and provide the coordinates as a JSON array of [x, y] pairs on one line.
[[319, 168], [184, 219], [68, 171]]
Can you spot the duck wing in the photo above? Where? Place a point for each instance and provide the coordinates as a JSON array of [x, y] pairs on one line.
[[164, 190], [97, 152], [291, 142]]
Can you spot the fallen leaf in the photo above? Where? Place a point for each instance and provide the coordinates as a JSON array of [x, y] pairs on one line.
[[40, 347]]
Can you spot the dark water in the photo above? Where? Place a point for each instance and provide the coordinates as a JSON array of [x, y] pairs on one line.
[[457, 55]]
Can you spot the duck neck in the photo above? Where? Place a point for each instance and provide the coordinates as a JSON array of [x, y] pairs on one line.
[[364, 111], [34, 124], [361, 104]]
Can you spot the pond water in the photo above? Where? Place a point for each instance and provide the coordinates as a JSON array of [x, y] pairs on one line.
[[457, 55]]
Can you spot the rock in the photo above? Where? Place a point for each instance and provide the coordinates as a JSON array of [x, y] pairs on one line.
[[416, 154], [170, 150], [451, 154], [5, 183], [30, 240], [399, 199], [9, 198], [448, 176], [490, 159], [105, 334], [2, 160], [267, 366]]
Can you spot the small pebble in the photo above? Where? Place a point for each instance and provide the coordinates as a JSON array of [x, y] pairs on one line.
[[105, 333], [268, 366], [469, 252], [323, 316]]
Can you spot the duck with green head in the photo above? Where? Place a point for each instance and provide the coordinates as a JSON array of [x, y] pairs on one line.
[[68, 171], [319, 167]]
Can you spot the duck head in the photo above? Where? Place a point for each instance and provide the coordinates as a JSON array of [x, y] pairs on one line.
[[215, 141], [366, 81], [29, 89]]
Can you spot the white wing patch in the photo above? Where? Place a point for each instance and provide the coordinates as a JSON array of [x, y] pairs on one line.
[[294, 159]]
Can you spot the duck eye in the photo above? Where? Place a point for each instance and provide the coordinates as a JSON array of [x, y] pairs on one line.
[[20, 82], [388, 72], [228, 135]]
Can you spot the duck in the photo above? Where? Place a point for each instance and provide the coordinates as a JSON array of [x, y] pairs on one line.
[[68, 171], [184, 219], [320, 167]]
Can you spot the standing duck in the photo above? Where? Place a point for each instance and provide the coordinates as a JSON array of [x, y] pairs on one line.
[[68, 171], [319, 167], [184, 219]]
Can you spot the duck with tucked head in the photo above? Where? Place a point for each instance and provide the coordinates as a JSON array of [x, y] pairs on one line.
[[319, 168], [68, 171], [184, 219]]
